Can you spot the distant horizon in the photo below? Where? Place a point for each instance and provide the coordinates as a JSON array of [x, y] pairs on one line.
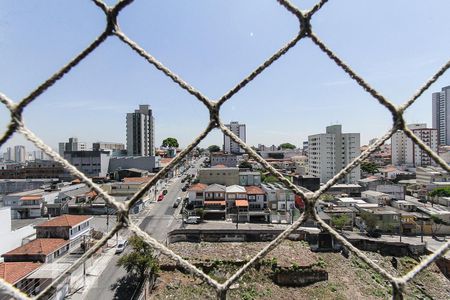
[[297, 96]]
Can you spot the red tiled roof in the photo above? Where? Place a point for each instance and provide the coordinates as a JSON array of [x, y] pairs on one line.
[[91, 194], [166, 160], [38, 246], [198, 187], [220, 166], [76, 181], [31, 198], [254, 190], [65, 221], [12, 272], [214, 202], [137, 179], [241, 203]]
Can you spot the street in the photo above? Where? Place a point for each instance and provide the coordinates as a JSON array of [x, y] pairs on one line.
[[157, 220]]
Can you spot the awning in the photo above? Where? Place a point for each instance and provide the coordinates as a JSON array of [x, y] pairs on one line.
[[215, 202], [30, 198], [241, 203]]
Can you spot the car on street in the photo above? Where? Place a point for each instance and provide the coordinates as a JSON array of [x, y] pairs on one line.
[[177, 202], [121, 245], [374, 233], [192, 220], [164, 192], [160, 197]]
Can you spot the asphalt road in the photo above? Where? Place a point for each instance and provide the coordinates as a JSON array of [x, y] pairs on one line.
[[113, 284]]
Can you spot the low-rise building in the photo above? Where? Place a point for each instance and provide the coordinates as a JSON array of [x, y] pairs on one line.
[[16, 273], [237, 203], [219, 175], [73, 228], [395, 191], [91, 163], [43, 250], [404, 205], [376, 197], [10, 238], [349, 202], [249, 178], [226, 159], [257, 204], [279, 198], [196, 194]]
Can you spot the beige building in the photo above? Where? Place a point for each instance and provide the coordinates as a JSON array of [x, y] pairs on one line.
[[220, 175]]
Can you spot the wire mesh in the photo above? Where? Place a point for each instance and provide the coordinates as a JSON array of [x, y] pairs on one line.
[[112, 28]]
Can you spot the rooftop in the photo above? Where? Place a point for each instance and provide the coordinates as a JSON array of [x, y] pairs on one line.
[[198, 187], [254, 190], [235, 189], [65, 221], [13, 272], [38, 246]]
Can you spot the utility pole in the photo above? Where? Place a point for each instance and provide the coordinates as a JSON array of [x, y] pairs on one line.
[[237, 219], [400, 226]]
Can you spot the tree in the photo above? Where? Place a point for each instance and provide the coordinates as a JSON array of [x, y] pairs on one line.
[[213, 148], [170, 142], [287, 146], [245, 165], [440, 192], [370, 220], [140, 261], [369, 167], [436, 224], [340, 221]]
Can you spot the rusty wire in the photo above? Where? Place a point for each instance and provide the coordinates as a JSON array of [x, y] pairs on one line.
[[112, 28]]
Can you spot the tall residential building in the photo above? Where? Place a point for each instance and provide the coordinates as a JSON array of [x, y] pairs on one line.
[[8, 155], [19, 154], [230, 146], [405, 152], [140, 132], [72, 145], [330, 152], [441, 115]]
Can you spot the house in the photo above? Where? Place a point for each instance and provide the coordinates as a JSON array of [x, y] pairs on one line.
[[348, 202], [279, 198], [44, 250], [385, 218], [16, 274], [257, 204], [404, 205], [335, 212], [376, 197], [214, 201], [195, 194], [68, 227], [395, 191], [237, 203], [351, 190]]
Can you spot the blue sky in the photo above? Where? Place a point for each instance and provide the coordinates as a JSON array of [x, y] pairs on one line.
[[395, 45]]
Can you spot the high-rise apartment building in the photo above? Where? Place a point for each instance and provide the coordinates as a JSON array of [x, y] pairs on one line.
[[140, 132], [441, 115], [405, 152], [330, 152], [230, 146], [72, 145], [19, 154]]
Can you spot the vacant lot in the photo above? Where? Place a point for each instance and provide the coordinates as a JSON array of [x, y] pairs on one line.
[[348, 278]]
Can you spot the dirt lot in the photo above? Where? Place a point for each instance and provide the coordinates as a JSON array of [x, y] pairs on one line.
[[348, 278]]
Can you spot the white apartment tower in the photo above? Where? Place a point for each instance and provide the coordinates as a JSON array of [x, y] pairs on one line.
[[19, 154], [405, 152], [441, 115], [330, 152], [72, 145], [140, 132], [231, 146]]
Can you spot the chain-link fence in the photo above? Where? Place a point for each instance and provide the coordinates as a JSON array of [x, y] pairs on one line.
[[305, 32]]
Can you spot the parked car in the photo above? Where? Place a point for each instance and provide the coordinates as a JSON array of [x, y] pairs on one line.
[[374, 233], [121, 245], [164, 192], [177, 202], [160, 197], [184, 188], [192, 220]]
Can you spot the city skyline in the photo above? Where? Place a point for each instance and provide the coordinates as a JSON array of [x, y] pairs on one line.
[[294, 105]]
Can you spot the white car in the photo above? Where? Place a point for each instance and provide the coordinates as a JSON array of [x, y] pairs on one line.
[[121, 246], [192, 220]]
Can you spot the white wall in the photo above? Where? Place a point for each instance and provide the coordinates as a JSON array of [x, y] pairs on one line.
[[11, 239]]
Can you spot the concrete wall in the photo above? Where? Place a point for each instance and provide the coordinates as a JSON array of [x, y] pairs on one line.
[[11, 239], [147, 163]]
